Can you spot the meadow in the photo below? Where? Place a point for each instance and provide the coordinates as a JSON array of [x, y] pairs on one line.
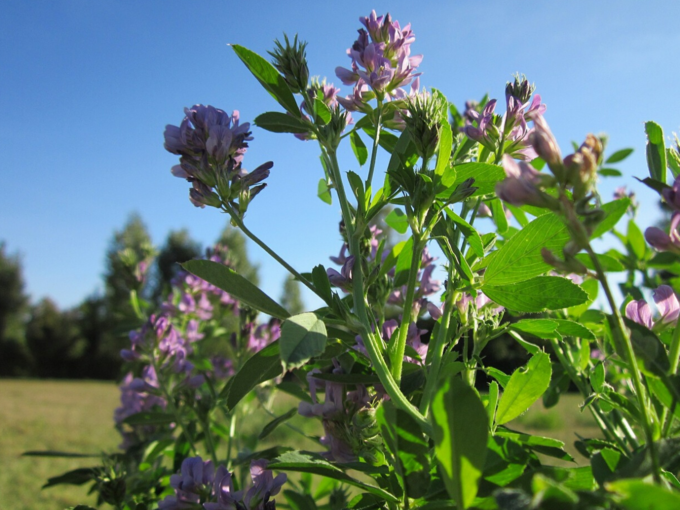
[[77, 417]]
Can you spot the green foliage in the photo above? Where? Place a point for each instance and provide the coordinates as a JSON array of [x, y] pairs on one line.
[[524, 388], [302, 338], [291, 299]]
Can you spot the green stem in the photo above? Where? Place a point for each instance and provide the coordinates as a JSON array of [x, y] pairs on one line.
[[608, 429], [375, 351], [272, 253], [667, 418], [397, 352], [374, 152], [437, 350], [209, 440], [620, 330], [171, 405], [232, 431]]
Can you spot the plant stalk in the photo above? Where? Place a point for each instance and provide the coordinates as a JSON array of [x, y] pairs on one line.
[[620, 330]]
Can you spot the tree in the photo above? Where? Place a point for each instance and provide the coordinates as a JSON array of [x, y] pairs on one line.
[[14, 358], [238, 254], [179, 247], [129, 252], [53, 340], [291, 298]]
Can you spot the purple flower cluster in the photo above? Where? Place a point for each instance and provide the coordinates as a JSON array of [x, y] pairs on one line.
[[412, 339], [343, 433], [211, 145], [135, 399], [199, 483], [512, 127], [426, 286], [381, 63], [667, 304]]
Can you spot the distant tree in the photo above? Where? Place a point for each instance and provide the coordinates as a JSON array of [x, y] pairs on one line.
[[14, 358], [53, 340], [291, 299], [127, 259], [238, 254], [179, 247]]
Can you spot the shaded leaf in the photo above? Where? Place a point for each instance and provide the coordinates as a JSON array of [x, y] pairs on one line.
[[230, 281], [460, 427], [303, 336]]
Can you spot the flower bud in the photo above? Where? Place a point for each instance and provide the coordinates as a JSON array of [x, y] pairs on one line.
[[545, 145], [424, 122], [520, 88], [291, 62]]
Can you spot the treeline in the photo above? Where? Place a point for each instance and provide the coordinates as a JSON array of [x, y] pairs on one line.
[[37, 339]]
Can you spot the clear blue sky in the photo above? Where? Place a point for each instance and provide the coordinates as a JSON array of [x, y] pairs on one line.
[[87, 87]]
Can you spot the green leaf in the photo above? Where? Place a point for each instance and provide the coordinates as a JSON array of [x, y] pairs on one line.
[[608, 263], [609, 172], [499, 375], [303, 336], [614, 210], [408, 445], [468, 231], [299, 501], [278, 122], [323, 192], [520, 258], [305, 463], [460, 426], [656, 151], [538, 294], [322, 283], [648, 349], [673, 159], [444, 147], [269, 427], [322, 111], [498, 215], [54, 453], [150, 418], [268, 77], [639, 495], [486, 177], [78, 476], [524, 388], [553, 328], [597, 378], [358, 147], [619, 155], [262, 366], [230, 281], [636, 240], [397, 220]]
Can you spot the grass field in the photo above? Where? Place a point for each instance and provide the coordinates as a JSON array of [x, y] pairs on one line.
[[77, 417]]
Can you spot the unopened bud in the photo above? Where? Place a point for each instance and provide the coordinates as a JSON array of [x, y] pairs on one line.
[[291, 62]]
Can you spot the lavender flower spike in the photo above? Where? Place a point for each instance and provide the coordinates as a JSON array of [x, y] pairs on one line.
[[264, 486]]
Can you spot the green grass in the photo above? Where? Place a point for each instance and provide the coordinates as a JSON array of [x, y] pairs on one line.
[[78, 417], [50, 415]]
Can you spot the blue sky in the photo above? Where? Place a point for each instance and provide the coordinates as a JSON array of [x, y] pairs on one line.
[[88, 86]]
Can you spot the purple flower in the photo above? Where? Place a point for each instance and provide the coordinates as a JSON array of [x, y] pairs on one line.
[[343, 279], [335, 413], [223, 490], [662, 241], [264, 485], [412, 337], [521, 187], [667, 304], [211, 144], [381, 60], [672, 195]]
